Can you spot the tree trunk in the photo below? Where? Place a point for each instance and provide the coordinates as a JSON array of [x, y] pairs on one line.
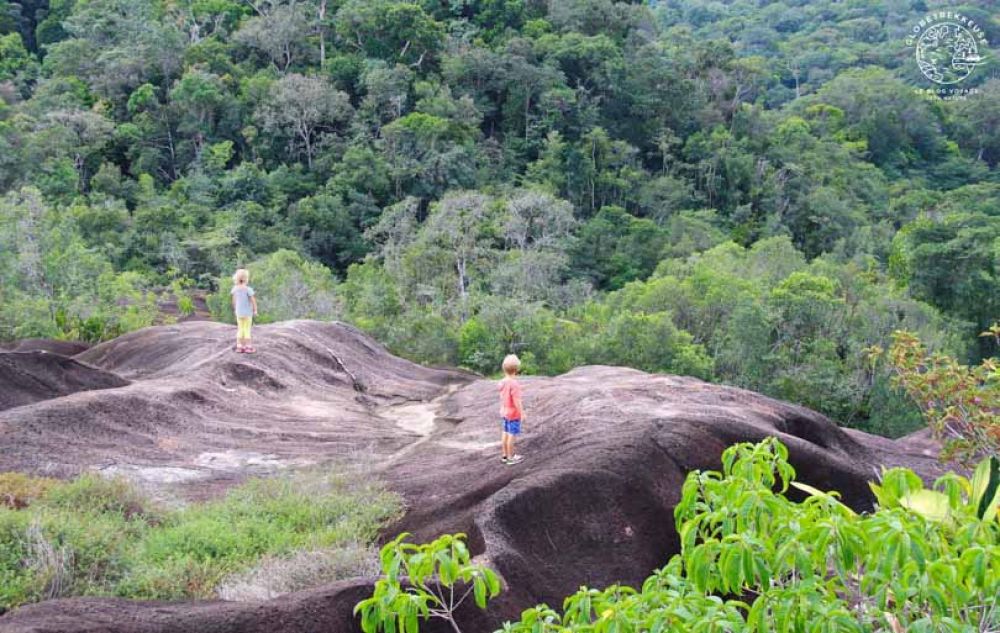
[[29, 250], [461, 266], [322, 34], [305, 133], [593, 176], [173, 154], [527, 106]]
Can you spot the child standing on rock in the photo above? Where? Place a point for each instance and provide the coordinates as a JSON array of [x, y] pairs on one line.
[[245, 307], [511, 411]]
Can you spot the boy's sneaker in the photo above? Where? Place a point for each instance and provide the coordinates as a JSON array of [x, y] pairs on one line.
[[514, 459], [503, 458]]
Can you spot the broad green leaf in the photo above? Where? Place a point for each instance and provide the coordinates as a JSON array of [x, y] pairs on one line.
[[930, 504], [880, 495], [479, 589], [986, 488], [492, 581], [816, 492]]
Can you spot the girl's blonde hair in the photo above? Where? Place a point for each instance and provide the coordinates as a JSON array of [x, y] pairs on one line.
[[241, 276], [511, 363]]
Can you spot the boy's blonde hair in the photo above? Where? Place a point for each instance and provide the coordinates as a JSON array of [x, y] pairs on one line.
[[241, 276], [511, 363]]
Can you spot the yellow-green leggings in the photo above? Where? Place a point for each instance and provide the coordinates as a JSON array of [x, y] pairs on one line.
[[243, 327]]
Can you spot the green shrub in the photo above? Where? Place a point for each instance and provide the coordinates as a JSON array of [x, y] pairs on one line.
[[93, 494], [961, 403], [480, 347], [288, 286], [15, 580], [423, 336], [185, 305], [753, 560], [195, 548], [63, 286], [55, 553], [92, 536], [421, 581], [78, 553]]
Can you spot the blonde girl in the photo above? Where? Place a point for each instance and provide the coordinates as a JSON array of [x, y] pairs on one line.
[[245, 307]]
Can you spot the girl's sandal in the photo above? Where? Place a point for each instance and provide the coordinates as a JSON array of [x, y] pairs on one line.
[[239, 350], [249, 350]]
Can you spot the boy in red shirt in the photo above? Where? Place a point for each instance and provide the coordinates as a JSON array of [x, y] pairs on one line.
[[511, 411]]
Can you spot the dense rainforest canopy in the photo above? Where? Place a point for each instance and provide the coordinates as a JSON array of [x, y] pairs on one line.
[[751, 192]]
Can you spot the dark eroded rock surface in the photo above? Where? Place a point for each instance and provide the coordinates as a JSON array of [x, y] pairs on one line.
[[30, 377]]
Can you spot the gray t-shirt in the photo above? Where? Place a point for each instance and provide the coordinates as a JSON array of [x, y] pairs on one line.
[[242, 296]]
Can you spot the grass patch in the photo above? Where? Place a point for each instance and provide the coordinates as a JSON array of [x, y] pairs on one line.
[[277, 575], [94, 536], [18, 490]]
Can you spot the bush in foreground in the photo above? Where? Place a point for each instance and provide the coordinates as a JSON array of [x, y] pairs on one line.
[[753, 560]]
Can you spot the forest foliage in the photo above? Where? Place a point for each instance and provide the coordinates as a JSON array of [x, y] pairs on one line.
[[752, 193]]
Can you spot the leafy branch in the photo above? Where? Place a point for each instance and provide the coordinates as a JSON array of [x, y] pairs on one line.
[[420, 582], [960, 403]]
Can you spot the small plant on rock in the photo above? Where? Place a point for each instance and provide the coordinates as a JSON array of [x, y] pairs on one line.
[[424, 581], [960, 403]]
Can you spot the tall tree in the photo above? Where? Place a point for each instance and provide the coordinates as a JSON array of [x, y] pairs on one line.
[[305, 109], [463, 226]]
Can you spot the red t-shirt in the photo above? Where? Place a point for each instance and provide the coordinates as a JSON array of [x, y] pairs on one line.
[[510, 394]]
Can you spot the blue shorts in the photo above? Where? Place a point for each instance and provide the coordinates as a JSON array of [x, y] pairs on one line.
[[511, 426]]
